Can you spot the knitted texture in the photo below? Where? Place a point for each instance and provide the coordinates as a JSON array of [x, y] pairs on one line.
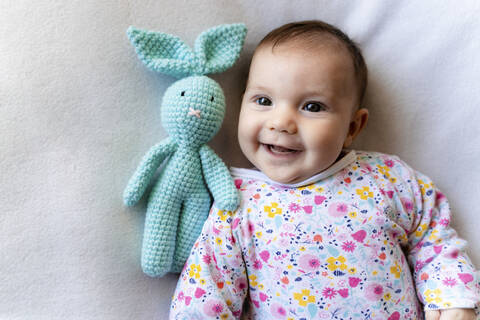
[[192, 113]]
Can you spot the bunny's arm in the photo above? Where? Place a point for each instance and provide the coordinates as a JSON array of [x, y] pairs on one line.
[[141, 178], [219, 180]]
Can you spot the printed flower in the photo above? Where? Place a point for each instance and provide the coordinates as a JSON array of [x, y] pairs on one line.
[[272, 210], [420, 230], [309, 262], [433, 295], [396, 270], [213, 308], [364, 193], [348, 246], [449, 282], [195, 271], [444, 222], [336, 263], [253, 280], [218, 241], [407, 204], [294, 207], [338, 209], [224, 214], [389, 163], [257, 264], [278, 311], [303, 297], [241, 283], [329, 293], [374, 291], [207, 259], [387, 296]]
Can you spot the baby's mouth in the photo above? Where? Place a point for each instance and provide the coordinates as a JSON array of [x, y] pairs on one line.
[[279, 150]]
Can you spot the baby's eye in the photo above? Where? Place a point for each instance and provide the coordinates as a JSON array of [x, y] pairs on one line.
[[263, 101], [313, 107], [183, 93], [211, 99]]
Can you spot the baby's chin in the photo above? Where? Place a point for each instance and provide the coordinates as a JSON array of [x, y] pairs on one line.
[[283, 177]]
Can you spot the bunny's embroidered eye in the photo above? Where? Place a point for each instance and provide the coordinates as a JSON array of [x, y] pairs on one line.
[[211, 99], [183, 93]]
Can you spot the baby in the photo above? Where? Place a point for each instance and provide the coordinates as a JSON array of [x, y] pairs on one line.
[[322, 232]]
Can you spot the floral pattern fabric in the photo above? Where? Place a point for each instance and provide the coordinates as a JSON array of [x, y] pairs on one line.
[[371, 241]]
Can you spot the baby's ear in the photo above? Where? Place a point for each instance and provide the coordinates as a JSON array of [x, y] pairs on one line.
[[162, 52], [218, 48]]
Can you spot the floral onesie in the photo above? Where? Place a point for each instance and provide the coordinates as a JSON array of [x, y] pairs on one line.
[[368, 238]]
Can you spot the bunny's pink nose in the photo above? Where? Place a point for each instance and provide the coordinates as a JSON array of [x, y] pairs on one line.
[[193, 112]]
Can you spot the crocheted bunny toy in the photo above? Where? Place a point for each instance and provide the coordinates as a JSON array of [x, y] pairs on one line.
[[192, 112]]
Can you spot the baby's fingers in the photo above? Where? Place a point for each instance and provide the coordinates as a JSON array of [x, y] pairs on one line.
[[432, 315]]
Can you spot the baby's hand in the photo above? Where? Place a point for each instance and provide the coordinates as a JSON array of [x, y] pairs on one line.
[[454, 314]]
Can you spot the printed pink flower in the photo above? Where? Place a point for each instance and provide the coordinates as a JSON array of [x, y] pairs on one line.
[[207, 259], [407, 204], [309, 262], [257, 264], [241, 284], [278, 311], [213, 308], [374, 291], [449, 282], [389, 163], [444, 222], [251, 228], [294, 207], [338, 209], [348, 246], [329, 293]]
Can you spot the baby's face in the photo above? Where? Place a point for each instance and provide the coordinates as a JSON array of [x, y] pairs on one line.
[[296, 110]]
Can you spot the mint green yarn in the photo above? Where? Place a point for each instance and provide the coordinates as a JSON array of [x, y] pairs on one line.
[[192, 113]]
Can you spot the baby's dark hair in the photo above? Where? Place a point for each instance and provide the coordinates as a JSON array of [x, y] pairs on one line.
[[313, 31]]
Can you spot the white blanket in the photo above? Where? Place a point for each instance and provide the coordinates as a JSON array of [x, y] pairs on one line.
[[78, 110]]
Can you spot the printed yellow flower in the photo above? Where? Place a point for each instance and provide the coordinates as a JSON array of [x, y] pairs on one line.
[[433, 295], [352, 214], [387, 296], [336, 263], [424, 186], [303, 297], [365, 193], [272, 210], [420, 230], [433, 235], [218, 241], [396, 270], [253, 280], [195, 271], [352, 270], [224, 214]]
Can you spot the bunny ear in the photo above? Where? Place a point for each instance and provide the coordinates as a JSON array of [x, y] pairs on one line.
[[218, 48], [162, 52]]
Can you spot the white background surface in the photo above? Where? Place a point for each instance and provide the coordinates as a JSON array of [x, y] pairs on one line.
[[78, 110]]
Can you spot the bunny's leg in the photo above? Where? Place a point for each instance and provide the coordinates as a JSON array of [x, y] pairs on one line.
[[160, 232], [194, 213]]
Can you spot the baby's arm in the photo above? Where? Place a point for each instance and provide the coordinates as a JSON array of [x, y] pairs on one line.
[[444, 276], [213, 283]]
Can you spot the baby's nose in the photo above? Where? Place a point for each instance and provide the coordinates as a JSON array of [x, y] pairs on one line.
[[283, 121]]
